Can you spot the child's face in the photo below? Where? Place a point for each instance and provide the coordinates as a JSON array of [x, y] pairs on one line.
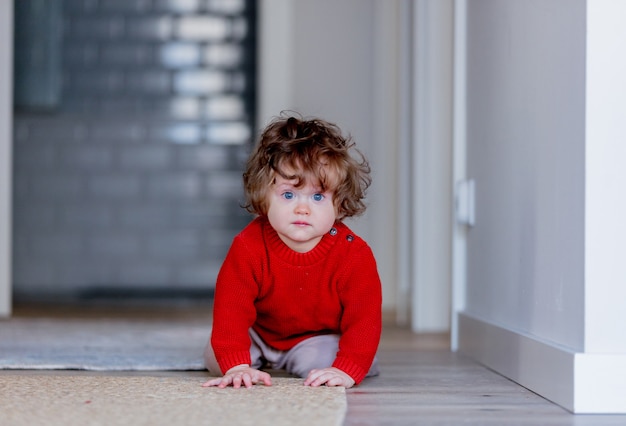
[[301, 216]]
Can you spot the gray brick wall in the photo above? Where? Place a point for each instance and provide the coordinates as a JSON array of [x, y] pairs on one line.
[[133, 181]]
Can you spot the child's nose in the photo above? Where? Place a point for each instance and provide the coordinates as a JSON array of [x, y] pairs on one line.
[[302, 207]]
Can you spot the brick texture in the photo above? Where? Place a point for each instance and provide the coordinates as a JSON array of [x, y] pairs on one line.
[[133, 181]]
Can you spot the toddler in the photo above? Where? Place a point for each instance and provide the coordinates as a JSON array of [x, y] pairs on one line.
[[298, 290]]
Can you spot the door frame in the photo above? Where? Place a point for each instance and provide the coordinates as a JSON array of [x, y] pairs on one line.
[[459, 168], [6, 156], [430, 147]]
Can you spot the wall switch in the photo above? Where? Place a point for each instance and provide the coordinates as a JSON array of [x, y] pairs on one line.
[[464, 202]]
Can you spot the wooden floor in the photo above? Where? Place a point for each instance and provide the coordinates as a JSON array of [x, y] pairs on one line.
[[421, 383]]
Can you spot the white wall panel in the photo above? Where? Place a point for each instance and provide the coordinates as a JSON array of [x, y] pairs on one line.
[[525, 147], [605, 204]]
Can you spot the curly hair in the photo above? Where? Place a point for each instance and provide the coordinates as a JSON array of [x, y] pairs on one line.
[[307, 150]]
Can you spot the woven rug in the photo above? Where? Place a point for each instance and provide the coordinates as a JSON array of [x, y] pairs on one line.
[[27, 400], [106, 394], [102, 344]]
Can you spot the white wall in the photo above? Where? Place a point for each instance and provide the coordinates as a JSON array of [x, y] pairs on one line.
[[6, 135], [525, 145], [545, 297], [338, 60]]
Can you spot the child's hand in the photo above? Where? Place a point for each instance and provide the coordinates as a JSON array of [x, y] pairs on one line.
[[241, 374], [330, 377]]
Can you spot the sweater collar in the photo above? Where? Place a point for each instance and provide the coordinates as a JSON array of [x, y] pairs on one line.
[[277, 247]]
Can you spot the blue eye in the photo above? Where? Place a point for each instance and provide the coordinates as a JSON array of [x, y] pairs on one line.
[[288, 195], [318, 197]]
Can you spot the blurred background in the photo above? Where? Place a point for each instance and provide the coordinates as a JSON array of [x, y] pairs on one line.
[[133, 118]]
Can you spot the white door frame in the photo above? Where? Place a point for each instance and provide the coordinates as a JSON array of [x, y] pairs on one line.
[[459, 169], [6, 157], [430, 198]]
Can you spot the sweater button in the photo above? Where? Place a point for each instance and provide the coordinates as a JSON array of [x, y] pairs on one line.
[[333, 231], [350, 238]]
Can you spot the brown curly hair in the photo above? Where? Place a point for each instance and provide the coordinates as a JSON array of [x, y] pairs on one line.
[[307, 150]]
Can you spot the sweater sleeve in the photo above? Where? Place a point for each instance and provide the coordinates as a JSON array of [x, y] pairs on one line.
[[234, 313], [361, 323]]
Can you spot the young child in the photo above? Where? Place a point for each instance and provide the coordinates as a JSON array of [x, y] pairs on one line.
[[298, 290]]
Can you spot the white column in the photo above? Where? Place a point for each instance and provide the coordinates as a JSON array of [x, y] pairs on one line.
[[600, 372], [6, 124], [432, 164], [459, 169], [605, 199]]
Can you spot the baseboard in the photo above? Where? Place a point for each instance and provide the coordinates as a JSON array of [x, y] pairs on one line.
[[600, 383], [579, 382]]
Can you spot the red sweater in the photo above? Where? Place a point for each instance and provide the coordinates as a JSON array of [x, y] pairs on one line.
[[286, 297]]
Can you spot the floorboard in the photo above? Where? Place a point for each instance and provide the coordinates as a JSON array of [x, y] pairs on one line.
[[422, 382]]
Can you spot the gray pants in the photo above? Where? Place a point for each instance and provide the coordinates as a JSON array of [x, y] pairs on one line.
[[313, 353]]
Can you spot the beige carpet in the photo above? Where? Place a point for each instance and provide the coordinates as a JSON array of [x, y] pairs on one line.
[[68, 400], [138, 372]]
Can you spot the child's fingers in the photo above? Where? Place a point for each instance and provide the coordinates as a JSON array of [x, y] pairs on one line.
[[313, 374], [266, 378], [239, 378], [336, 381], [213, 382], [317, 378], [329, 377], [247, 381]]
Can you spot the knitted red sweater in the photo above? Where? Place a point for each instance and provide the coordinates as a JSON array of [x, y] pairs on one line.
[[286, 297]]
